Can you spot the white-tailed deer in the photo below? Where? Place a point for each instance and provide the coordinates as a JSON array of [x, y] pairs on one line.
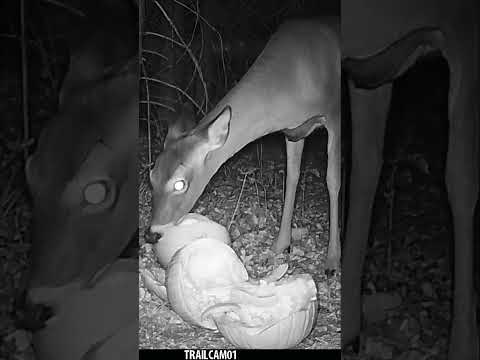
[[380, 40], [83, 181], [294, 87], [83, 176]]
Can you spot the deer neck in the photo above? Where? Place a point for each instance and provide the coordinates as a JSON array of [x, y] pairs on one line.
[[252, 118]]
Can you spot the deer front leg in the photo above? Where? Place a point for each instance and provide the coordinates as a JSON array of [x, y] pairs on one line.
[[334, 182], [294, 159], [462, 180], [369, 111]]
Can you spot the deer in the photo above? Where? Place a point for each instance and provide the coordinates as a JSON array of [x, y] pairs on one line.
[[295, 92], [381, 39], [82, 175]]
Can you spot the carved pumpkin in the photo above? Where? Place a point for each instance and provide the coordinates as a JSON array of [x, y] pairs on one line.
[[208, 286], [200, 275], [192, 227], [277, 315]]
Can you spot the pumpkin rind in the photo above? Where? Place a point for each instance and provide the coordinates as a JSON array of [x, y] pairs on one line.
[[285, 334], [208, 286], [192, 227], [199, 276], [285, 323]]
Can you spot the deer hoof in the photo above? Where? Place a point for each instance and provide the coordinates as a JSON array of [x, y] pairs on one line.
[[332, 266], [278, 249], [352, 346], [330, 272]]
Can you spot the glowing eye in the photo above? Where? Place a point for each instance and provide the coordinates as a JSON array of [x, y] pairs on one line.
[[179, 185], [95, 193]]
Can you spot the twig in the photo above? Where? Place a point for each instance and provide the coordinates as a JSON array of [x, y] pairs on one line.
[[173, 87], [239, 197], [259, 148], [149, 127], [165, 37], [304, 175], [190, 53], [212, 28], [26, 122], [66, 7], [258, 193], [155, 53], [156, 103]]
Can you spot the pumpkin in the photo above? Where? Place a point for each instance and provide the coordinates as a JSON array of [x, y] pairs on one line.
[[200, 275], [190, 228], [208, 286], [261, 315]]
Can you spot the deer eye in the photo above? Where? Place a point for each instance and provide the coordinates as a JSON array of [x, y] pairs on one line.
[[179, 185], [95, 192], [99, 195]]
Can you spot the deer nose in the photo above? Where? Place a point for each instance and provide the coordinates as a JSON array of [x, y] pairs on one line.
[[157, 229], [152, 237], [35, 316]]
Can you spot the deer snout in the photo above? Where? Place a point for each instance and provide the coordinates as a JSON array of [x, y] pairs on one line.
[[40, 304], [157, 231], [157, 228]]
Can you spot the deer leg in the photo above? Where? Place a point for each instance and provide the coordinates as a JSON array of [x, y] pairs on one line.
[[294, 159], [369, 111], [462, 181], [334, 182]]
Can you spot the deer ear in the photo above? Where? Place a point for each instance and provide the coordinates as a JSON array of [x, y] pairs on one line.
[[182, 123], [218, 130]]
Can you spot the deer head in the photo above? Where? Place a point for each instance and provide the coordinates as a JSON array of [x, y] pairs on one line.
[[180, 175], [82, 176]]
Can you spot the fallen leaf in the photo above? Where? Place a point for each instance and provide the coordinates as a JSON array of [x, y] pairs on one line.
[[299, 233], [154, 286]]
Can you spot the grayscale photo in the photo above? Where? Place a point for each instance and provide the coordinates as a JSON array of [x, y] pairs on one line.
[[240, 176]]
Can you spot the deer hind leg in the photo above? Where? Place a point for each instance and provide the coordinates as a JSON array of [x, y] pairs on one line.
[[294, 159], [334, 182], [369, 111], [462, 180]]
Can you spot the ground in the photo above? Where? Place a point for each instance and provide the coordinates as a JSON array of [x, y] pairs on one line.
[[407, 274], [407, 283]]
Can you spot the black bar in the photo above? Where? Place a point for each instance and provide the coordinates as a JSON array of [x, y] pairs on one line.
[[237, 354]]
